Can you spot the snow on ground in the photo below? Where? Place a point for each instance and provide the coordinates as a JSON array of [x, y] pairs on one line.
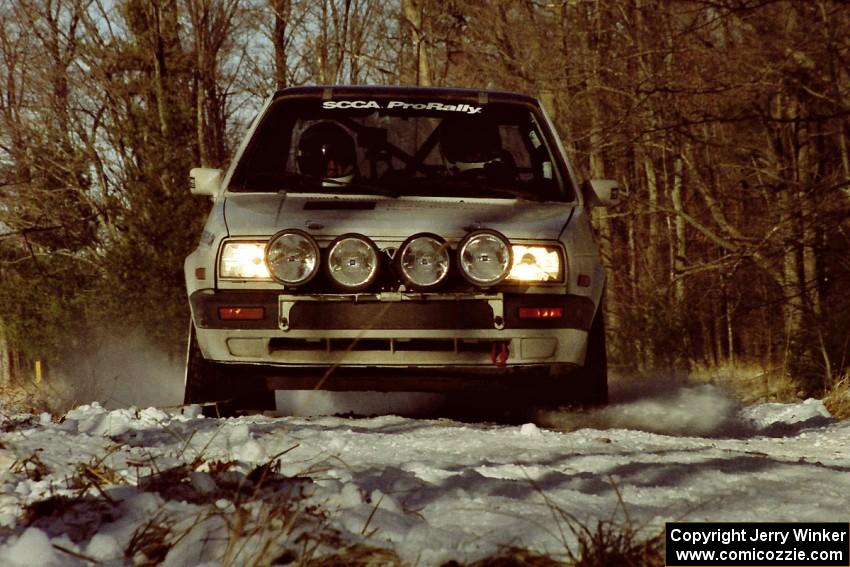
[[104, 485]]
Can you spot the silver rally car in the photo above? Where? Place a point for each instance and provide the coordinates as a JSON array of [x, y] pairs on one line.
[[397, 239]]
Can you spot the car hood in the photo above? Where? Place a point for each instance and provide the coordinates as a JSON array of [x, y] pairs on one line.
[[253, 214]]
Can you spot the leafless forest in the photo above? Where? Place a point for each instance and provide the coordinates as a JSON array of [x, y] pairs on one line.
[[727, 121]]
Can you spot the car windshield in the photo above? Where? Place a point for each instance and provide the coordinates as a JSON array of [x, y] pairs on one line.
[[396, 148]]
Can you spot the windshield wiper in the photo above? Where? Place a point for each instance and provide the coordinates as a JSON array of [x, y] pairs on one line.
[[359, 185], [288, 181], [489, 187], [266, 183]]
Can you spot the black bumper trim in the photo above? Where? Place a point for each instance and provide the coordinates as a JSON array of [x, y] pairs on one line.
[[423, 315], [205, 304], [395, 379]]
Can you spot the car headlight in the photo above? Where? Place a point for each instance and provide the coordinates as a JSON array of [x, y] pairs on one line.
[[243, 260], [352, 262], [423, 260], [292, 257], [484, 257], [536, 264]]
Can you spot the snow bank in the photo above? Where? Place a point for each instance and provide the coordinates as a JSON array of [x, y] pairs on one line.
[[773, 415], [185, 490]]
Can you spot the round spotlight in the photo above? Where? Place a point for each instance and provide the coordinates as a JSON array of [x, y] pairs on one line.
[[484, 257], [292, 257], [423, 260], [352, 262]]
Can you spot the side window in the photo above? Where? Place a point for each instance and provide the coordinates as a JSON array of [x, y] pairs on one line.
[[292, 153]]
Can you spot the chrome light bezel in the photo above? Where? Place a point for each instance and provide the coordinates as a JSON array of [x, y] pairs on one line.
[[373, 275], [468, 240], [403, 273], [312, 244]]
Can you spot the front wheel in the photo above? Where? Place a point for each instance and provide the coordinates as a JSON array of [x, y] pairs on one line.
[[217, 389], [587, 385], [592, 379]]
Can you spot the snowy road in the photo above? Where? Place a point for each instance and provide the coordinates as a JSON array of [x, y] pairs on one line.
[[107, 485]]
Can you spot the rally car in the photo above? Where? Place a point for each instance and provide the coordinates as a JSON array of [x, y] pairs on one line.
[[397, 239]]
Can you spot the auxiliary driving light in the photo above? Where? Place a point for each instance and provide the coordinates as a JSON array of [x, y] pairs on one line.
[[352, 262], [484, 257], [292, 257], [423, 260]]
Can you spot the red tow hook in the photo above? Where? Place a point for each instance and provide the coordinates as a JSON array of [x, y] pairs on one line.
[[499, 354]]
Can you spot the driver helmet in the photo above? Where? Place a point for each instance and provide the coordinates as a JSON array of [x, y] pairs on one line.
[[326, 151], [469, 143]]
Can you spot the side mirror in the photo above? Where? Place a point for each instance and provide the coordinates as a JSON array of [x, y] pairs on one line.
[[602, 192], [205, 181]]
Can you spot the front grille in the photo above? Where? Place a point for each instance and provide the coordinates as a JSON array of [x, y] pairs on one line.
[[433, 315], [381, 345], [425, 345], [281, 344], [348, 345]]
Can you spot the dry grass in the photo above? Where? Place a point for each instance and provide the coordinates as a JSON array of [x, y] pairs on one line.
[[606, 544], [151, 542], [266, 521], [356, 556], [837, 398], [610, 544], [751, 383], [31, 467], [27, 396], [513, 557]]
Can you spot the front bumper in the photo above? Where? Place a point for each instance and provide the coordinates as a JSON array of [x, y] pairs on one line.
[[437, 335], [408, 379]]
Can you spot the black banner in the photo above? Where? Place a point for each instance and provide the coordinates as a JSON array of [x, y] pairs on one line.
[[743, 544]]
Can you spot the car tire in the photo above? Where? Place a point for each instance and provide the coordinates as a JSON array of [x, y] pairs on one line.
[[588, 384], [214, 386], [592, 378]]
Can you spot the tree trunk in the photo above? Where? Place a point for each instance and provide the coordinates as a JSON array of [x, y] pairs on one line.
[[793, 306], [5, 360], [679, 247], [845, 155], [160, 70], [281, 10], [201, 96], [653, 240], [413, 14]]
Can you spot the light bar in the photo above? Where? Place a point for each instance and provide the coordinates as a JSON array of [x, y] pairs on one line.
[[352, 262], [292, 257], [423, 260], [484, 257]]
